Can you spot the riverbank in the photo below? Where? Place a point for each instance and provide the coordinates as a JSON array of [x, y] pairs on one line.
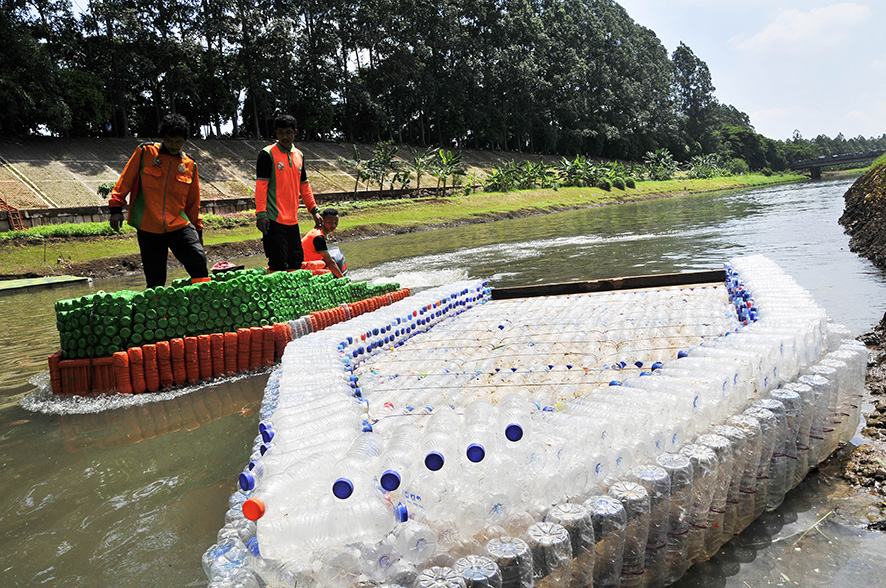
[[104, 257]]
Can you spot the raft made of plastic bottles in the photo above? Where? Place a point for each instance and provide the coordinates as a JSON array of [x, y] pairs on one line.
[[598, 438]]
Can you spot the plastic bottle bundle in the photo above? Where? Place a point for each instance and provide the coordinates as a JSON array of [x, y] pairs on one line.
[[821, 423], [225, 560], [747, 490], [739, 442], [736, 376], [610, 523], [714, 533], [514, 558], [712, 390], [551, 550], [635, 501], [778, 466], [807, 409], [298, 531], [753, 362], [577, 521], [705, 471]]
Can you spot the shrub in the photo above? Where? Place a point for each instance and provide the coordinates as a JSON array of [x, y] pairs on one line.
[[766, 171], [660, 164], [618, 183], [737, 167], [604, 184], [630, 183]]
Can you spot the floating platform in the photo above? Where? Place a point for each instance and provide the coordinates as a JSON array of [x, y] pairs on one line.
[[572, 434], [23, 285]]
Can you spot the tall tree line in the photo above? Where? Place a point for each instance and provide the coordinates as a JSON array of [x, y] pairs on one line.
[[541, 76]]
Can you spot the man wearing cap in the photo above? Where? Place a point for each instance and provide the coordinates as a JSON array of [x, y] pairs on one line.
[[165, 204], [280, 182], [314, 242]]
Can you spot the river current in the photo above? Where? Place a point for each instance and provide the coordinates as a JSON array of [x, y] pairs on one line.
[[131, 492]]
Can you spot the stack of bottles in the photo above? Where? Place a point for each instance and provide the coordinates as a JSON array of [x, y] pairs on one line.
[[101, 324], [379, 466]]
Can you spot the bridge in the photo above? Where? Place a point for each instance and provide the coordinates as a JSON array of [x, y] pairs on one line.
[[815, 165]]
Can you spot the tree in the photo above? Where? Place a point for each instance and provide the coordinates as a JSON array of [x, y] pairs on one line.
[[694, 93]]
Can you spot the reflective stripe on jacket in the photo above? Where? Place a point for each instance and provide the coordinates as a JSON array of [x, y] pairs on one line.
[[167, 196]]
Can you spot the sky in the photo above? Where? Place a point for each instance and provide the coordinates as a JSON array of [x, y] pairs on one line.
[[815, 66]]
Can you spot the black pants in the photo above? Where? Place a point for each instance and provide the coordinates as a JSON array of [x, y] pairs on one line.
[[282, 245], [185, 246]]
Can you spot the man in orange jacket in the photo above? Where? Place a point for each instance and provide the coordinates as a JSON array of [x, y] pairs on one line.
[[280, 181], [164, 204], [314, 242]]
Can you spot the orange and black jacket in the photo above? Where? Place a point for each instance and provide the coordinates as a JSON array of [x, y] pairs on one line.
[[165, 190], [280, 181]]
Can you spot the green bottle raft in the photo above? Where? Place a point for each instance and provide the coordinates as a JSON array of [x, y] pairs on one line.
[[101, 324]]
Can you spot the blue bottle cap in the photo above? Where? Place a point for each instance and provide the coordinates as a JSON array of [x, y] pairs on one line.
[[390, 480], [614, 383], [434, 461], [682, 353], [267, 435], [638, 363], [342, 488], [656, 365], [475, 452], [513, 432], [401, 512], [252, 546], [247, 481]]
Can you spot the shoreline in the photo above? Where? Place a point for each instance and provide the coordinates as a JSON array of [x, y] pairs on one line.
[[383, 219]]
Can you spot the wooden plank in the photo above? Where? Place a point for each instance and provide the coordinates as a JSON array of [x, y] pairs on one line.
[[608, 284], [9, 287]]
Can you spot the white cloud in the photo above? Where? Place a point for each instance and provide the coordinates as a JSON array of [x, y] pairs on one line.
[[803, 31]]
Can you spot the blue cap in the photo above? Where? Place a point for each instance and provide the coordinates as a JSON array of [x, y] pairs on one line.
[[682, 353], [475, 452], [614, 383], [401, 512], [390, 480], [513, 432], [267, 435], [656, 365], [434, 461], [252, 546], [247, 481], [342, 488]]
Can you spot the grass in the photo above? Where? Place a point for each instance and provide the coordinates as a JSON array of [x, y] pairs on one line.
[[33, 250]]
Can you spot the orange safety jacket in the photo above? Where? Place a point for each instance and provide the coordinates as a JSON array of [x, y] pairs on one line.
[[277, 196], [165, 190], [307, 244]]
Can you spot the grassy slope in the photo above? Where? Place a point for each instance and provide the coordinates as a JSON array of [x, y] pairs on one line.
[[371, 218]]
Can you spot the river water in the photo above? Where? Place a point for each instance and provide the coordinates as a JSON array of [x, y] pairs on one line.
[[127, 493]]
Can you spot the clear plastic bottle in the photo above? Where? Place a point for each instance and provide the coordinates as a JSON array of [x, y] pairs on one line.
[[274, 573], [577, 521], [478, 571], [748, 485], [551, 550], [439, 577], [769, 430], [610, 522], [514, 559], [705, 471], [778, 465], [738, 440], [832, 423], [793, 406], [820, 422], [224, 558], [657, 483], [635, 500]]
